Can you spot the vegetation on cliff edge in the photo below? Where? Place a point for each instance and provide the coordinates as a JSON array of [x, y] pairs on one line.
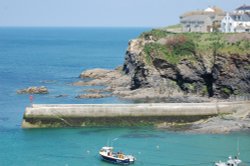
[[174, 47]]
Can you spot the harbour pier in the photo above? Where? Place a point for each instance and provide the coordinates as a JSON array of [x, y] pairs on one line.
[[79, 115]]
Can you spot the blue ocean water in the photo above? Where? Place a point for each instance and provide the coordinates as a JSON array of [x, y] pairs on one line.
[[54, 57]]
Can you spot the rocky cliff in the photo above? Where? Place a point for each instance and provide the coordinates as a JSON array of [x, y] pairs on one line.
[[212, 65]]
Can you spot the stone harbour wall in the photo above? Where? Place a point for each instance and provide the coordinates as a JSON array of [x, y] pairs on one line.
[[77, 115]]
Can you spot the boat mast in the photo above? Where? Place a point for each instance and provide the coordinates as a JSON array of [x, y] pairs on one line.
[[238, 147]]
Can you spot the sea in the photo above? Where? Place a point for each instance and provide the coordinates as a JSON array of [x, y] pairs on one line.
[[55, 57]]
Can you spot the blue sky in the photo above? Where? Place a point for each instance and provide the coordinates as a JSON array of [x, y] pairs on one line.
[[103, 13]]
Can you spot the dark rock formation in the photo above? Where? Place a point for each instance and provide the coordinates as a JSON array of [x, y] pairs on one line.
[[208, 73], [62, 95], [232, 75]]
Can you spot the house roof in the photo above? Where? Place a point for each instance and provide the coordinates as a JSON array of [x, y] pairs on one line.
[[195, 18], [244, 7], [209, 11], [240, 17], [218, 10]]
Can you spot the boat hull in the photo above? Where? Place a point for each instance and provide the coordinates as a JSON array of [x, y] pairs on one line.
[[116, 160]]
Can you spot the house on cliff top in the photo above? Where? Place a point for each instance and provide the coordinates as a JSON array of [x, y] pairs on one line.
[[237, 21], [208, 20]]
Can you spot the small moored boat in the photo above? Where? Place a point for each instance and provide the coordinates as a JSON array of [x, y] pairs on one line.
[[230, 162], [107, 154]]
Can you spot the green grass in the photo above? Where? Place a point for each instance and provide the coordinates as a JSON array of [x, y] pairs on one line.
[[176, 26], [155, 33], [185, 45], [176, 48], [155, 50]]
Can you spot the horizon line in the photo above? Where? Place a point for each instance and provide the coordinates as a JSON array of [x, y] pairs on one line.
[[80, 26]]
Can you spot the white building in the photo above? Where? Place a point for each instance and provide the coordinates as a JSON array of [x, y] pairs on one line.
[[238, 21]]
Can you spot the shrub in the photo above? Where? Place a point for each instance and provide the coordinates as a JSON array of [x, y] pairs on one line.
[[180, 45]]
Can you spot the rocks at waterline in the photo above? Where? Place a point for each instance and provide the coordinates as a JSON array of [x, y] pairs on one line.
[[97, 73], [117, 83], [92, 96], [104, 77], [62, 95], [33, 90]]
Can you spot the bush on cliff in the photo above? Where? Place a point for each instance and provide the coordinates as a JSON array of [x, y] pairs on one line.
[[180, 45], [175, 48], [232, 43]]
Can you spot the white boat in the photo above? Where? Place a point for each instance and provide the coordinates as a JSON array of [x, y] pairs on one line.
[[107, 154], [230, 162]]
